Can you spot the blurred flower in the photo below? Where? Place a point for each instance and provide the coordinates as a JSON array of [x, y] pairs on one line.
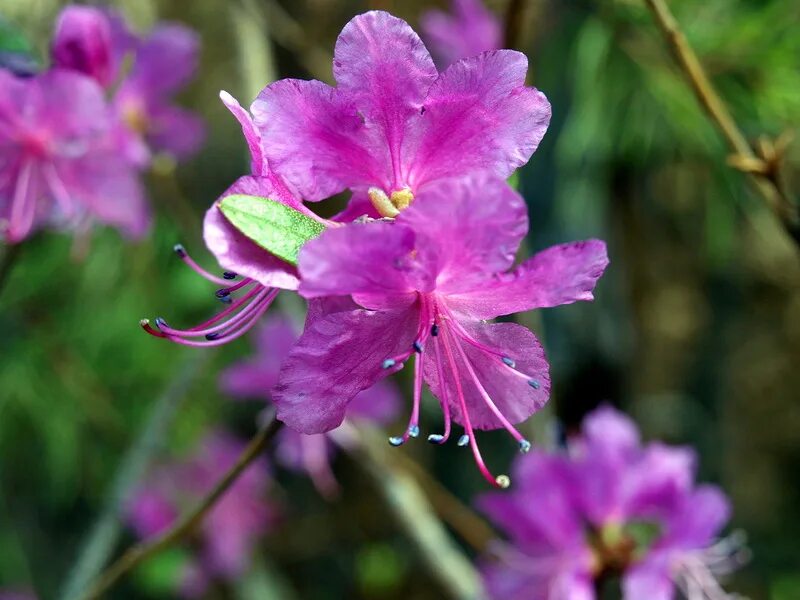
[[230, 532], [432, 275], [611, 508], [393, 125], [470, 30], [99, 43], [255, 378], [57, 162]]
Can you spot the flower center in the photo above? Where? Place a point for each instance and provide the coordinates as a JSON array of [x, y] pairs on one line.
[[135, 117], [390, 206]]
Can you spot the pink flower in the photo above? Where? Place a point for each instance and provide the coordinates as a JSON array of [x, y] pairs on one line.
[[394, 125], [470, 30], [255, 378], [230, 532], [58, 166], [422, 285], [612, 508]]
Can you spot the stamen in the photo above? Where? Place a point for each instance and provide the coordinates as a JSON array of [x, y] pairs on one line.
[[509, 362], [534, 384], [443, 401], [229, 275], [145, 324], [413, 422], [184, 256], [434, 330], [417, 347], [463, 440], [388, 363]]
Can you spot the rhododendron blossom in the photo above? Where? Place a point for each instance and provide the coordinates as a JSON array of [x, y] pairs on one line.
[[467, 31], [394, 125], [58, 166], [611, 508], [422, 285], [230, 532], [256, 377]]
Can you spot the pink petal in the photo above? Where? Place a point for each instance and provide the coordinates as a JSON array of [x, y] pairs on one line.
[[558, 275], [379, 404], [338, 356], [258, 165], [165, 61], [316, 140], [478, 116], [175, 131], [82, 42], [512, 394]]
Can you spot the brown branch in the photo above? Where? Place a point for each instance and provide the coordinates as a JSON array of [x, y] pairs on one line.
[[763, 171], [139, 553], [513, 24]]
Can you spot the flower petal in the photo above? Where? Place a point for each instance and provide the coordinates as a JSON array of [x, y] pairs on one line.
[[165, 61], [336, 357], [473, 224], [511, 392], [649, 580], [175, 130], [703, 514], [238, 253], [316, 140], [378, 404], [558, 275], [258, 164], [468, 31], [82, 42], [370, 260], [478, 116]]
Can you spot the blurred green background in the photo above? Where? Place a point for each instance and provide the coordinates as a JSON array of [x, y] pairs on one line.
[[695, 331]]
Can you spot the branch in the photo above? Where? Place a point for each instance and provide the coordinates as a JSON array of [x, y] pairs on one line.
[[104, 534], [139, 553], [764, 171]]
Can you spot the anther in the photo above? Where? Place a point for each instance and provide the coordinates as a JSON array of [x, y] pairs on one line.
[[222, 293], [524, 446], [396, 441], [229, 275], [503, 481], [179, 250], [388, 363], [436, 438], [417, 347], [413, 431], [212, 336], [509, 361], [534, 383], [225, 299], [463, 440], [160, 322], [434, 330]]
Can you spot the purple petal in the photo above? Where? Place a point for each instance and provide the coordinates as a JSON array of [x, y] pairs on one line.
[[338, 356], [372, 260], [478, 116], [491, 221], [559, 275], [514, 396], [703, 514], [359, 205], [165, 61], [82, 42], [316, 140], [661, 479], [609, 431], [470, 30], [649, 580], [258, 163], [175, 130], [150, 513], [236, 252], [378, 404]]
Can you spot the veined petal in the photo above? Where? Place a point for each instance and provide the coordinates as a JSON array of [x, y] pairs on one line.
[[517, 393], [336, 357], [478, 116], [236, 252], [373, 261], [258, 163], [559, 275], [316, 140], [473, 225]]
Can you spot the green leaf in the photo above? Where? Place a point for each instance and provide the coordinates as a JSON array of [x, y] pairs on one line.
[[277, 228]]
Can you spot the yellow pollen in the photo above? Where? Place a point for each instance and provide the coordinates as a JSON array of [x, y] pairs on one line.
[[390, 206], [134, 117], [402, 198]]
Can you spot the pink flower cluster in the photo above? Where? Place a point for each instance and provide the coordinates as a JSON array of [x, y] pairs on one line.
[[75, 137]]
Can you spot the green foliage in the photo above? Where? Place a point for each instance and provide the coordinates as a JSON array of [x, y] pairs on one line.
[[279, 229]]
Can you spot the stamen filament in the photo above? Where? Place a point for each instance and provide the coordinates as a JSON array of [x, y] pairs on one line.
[[184, 256]]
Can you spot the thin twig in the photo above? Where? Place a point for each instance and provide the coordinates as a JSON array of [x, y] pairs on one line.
[[445, 560], [513, 24], [104, 534], [7, 262], [769, 181], [186, 524]]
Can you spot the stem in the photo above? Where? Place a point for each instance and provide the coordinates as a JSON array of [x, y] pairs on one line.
[[513, 24], [142, 551], [104, 534], [7, 263], [768, 185]]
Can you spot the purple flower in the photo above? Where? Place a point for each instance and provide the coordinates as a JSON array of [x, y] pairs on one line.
[[97, 42], [394, 125], [611, 508], [255, 378], [470, 30], [230, 532], [422, 285], [57, 162]]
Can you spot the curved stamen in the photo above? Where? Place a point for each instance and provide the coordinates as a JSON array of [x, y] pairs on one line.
[[184, 256], [436, 438], [501, 481], [524, 445]]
